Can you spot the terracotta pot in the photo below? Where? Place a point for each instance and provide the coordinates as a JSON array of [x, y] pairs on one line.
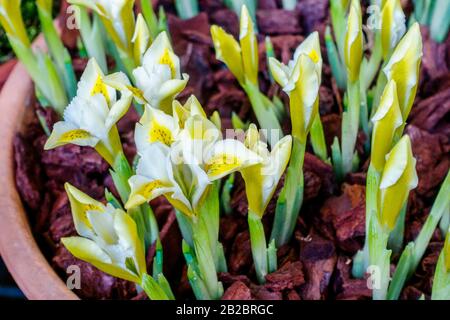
[[18, 248]]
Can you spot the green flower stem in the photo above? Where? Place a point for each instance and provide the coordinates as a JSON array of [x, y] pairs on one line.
[[259, 246], [364, 119], [202, 250], [336, 156], [350, 126], [54, 86], [361, 260], [58, 52], [444, 225], [291, 197], [185, 226], [225, 198], [236, 6], [289, 4], [401, 273], [337, 67], [395, 242], [338, 21], [318, 142], [150, 17], [372, 67], [440, 20], [91, 34], [379, 87], [210, 214], [264, 111], [186, 9], [156, 289], [205, 258], [441, 281], [162, 21], [379, 259], [419, 246], [422, 11]]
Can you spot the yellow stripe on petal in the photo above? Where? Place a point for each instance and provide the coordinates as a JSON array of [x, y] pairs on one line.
[[100, 87], [144, 193], [137, 93], [78, 134], [167, 60], [221, 165], [159, 133]]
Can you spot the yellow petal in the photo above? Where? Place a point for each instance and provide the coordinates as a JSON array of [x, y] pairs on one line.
[[392, 25], [403, 67], [353, 50], [304, 97], [141, 39], [228, 51], [386, 120], [126, 230], [87, 250], [63, 134], [398, 179], [279, 71], [144, 192], [80, 203], [228, 156], [254, 188], [11, 20], [249, 46]]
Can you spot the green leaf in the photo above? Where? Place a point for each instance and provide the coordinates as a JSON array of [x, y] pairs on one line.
[[153, 290]]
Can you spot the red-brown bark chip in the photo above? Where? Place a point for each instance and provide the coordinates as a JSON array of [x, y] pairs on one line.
[[313, 14], [288, 276], [260, 292], [318, 257], [241, 255], [237, 291], [433, 158], [346, 288], [346, 214], [276, 21]]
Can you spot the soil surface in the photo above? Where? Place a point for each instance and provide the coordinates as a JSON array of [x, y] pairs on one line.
[[316, 264]]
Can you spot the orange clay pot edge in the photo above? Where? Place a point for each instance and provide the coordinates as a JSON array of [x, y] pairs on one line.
[[18, 248]]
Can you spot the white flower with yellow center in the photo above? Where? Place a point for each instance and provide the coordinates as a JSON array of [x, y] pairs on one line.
[[178, 175], [261, 180], [90, 118], [108, 237], [159, 78], [188, 122], [311, 47], [155, 126]]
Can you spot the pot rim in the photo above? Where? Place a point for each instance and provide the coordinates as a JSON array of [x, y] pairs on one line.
[[18, 248]]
